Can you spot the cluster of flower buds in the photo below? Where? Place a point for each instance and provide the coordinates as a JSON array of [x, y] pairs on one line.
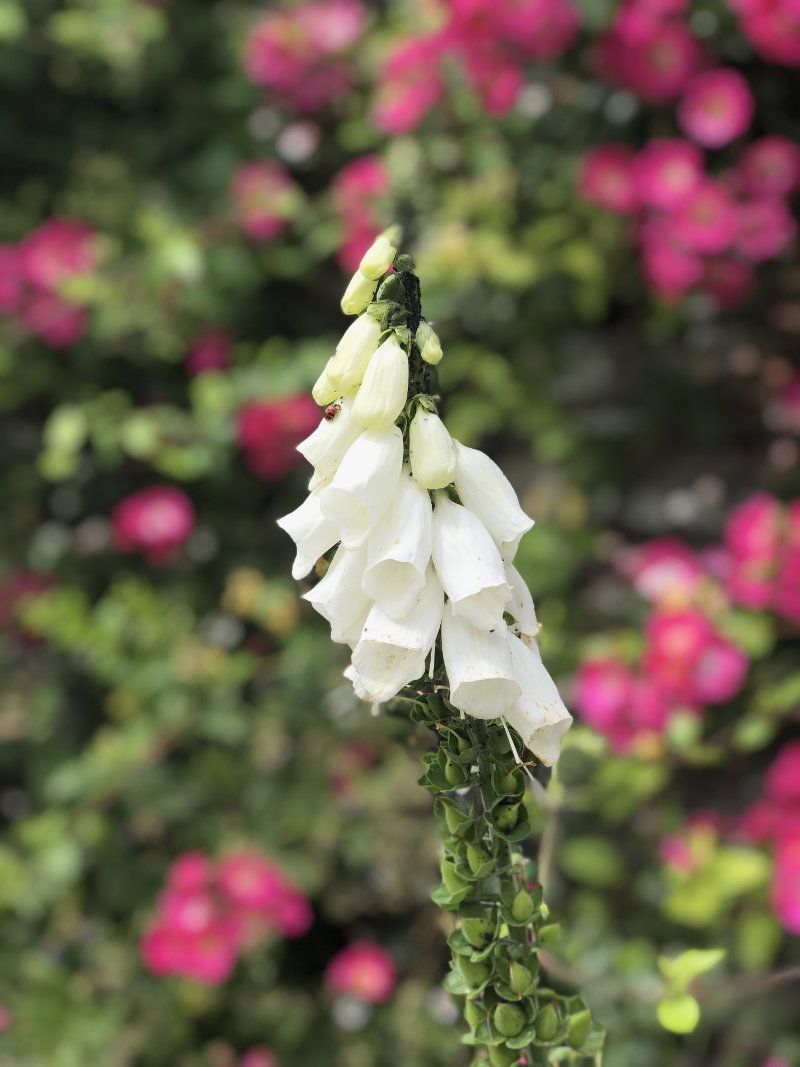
[[427, 528]]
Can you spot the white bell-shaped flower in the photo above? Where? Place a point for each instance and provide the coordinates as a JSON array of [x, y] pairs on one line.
[[324, 391], [327, 446], [311, 532], [478, 664], [430, 347], [353, 353], [358, 294], [521, 609], [430, 450], [468, 564], [399, 549], [364, 484], [338, 596], [382, 393], [391, 652], [539, 716], [484, 489], [379, 256]]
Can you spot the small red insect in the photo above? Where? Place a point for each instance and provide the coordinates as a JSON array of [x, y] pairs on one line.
[[331, 411]]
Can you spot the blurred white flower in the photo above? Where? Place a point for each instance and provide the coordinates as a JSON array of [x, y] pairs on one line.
[[468, 564], [539, 715], [311, 532], [382, 393], [399, 549], [364, 484], [479, 669], [485, 490], [338, 596], [431, 451]]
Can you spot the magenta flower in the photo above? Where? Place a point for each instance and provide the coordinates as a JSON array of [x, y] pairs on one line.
[[208, 352], [156, 521], [720, 672], [190, 873], [770, 166], [411, 84], [358, 193], [264, 199], [606, 178], [707, 221], [765, 228], [786, 883], [53, 319], [268, 432], [653, 59], [727, 281], [616, 703], [56, 251], [716, 108], [542, 29], [782, 781], [662, 569], [248, 880], [689, 660], [364, 971], [667, 171], [773, 27], [259, 1056], [669, 267]]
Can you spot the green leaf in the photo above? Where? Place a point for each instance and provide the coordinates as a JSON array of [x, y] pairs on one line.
[[680, 970]]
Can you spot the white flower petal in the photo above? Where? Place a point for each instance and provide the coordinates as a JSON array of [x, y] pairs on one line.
[[311, 532], [382, 393], [326, 447], [399, 549], [353, 353], [364, 484], [485, 490], [539, 716], [521, 607], [468, 564], [430, 451], [338, 596], [478, 665]]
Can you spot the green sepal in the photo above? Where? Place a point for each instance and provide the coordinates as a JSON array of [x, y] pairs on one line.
[[579, 1027], [448, 899], [523, 1039]]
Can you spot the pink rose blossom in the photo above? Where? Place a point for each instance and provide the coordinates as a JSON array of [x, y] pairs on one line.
[[786, 883], [662, 569], [667, 171], [654, 60], [259, 1056], [770, 166], [669, 267], [707, 221], [190, 873], [54, 320], [359, 188], [264, 198], [782, 782], [208, 352], [727, 281], [268, 432], [411, 84], [765, 227], [542, 29], [606, 178], [773, 27], [676, 640], [603, 689], [495, 76], [716, 108], [248, 880], [720, 672], [156, 521], [362, 970], [753, 529], [56, 251]]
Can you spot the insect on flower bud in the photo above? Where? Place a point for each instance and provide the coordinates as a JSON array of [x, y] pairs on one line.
[[378, 257], [358, 294], [430, 347], [430, 451], [382, 394], [324, 391], [353, 353]]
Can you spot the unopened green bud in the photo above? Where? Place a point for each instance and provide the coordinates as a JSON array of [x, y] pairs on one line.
[[474, 1014], [358, 294], [392, 289], [578, 1028], [508, 1020], [477, 857], [500, 1056], [505, 816], [522, 907], [475, 974], [547, 1023], [451, 878], [455, 774], [378, 257], [430, 347], [548, 934], [403, 262], [479, 932], [520, 978]]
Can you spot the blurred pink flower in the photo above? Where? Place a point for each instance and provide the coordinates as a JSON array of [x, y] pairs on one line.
[[358, 192], [669, 267], [717, 107], [259, 1056], [362, 970], [264, 198], [753, 529], [770, 166], [617, 703], [542, 29], [411, 84], [686, 657], [606, 178], [494, 75], [707, 220], [53, 319], [786, 883], [764, 228], [190, 872], [156, 521], [652, 58], [666, 171], [773, 27], [57, 250], [209, 351], [662, 569], [720, 672], [782, 781], [268, 432], [727, 281], [248, 880]]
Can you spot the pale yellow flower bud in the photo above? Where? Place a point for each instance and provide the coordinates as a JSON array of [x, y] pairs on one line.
[[382, 394], [353, 353], [430, 451], [378, 257], [358, 294], [324, 391], [430, 347]]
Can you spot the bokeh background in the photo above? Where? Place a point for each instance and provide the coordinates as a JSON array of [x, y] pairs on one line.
[[212, 854]]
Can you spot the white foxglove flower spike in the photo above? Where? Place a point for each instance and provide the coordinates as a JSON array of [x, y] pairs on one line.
[[539, 716], [391, 653], [311, 532], [327, 446], [468, 564], [399, 549], [431, 451], [521, 609], [484, 489], [382, 393], [479, 667], [364, 484], [358, 344], [338, 596]]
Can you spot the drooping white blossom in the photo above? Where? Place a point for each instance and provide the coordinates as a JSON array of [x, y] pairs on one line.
[[327, 446], [358, 294], [539, 715], [378, 257], [520, 608], [323, 390], [359, 342], [338, 596], [382, 393], [311, 532], [431, 451], [479, 668], [468, 564], [364, 484], [430, 347], [399, 549], [486, 491]]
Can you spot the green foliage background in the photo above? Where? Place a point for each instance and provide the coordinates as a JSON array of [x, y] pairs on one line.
[[200, 705]]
